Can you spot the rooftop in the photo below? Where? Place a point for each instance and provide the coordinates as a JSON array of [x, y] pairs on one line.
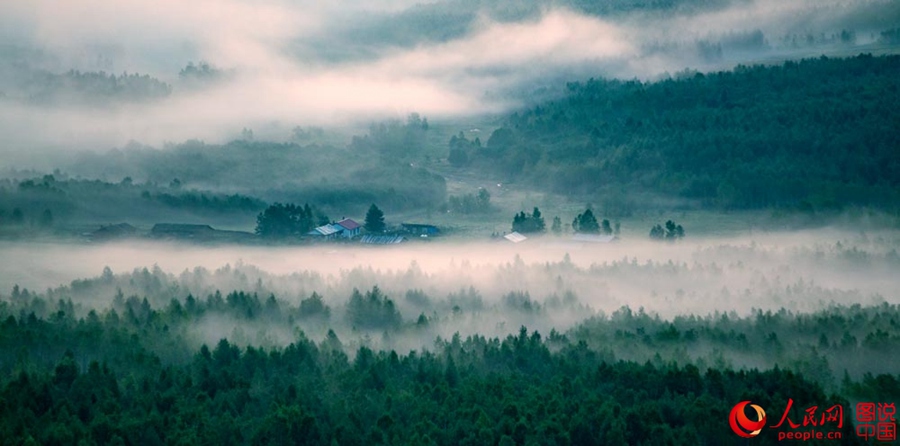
[[348, 224]]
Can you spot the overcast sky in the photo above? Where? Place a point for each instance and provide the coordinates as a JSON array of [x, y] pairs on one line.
[[316, 63]]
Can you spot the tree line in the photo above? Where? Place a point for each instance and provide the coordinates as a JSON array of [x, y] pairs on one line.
[[583, 223]]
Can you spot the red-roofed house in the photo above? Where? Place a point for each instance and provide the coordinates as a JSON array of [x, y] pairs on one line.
[[349, 228]]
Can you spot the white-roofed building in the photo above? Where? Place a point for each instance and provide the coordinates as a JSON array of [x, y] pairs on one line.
[[515, 237], [326, 231]]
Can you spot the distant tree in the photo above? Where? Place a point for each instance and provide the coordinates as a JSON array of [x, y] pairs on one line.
[[500, 141], [470, 203], [314, 306], [201, 73], [287, 220], [372, 311], [556, 227], [605, 227], [538, 220], [674, 231], [657, 232], [528, 223], [374, 220], [586, 223], [462, 149], [671, 231]]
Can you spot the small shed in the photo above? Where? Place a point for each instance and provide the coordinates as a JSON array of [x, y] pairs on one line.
[[326, 231], [382, 239], [515, 237]]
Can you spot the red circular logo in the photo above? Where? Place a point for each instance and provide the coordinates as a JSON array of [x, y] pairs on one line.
[[742, 425]]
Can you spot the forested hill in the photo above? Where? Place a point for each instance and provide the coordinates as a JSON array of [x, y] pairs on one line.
[[818, 133]]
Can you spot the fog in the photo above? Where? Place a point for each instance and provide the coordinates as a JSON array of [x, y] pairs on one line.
[[802, 272], [305, 63]]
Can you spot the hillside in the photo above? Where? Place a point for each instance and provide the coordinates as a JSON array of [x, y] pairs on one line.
[[807, 135]]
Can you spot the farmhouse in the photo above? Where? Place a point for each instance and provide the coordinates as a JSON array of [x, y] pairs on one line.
[[347, 228]]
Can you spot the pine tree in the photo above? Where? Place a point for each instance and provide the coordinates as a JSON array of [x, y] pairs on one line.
[[556, 227], [374, 220], [586, 223]]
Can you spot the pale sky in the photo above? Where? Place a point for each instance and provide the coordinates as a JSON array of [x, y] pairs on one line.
[[315, 63]]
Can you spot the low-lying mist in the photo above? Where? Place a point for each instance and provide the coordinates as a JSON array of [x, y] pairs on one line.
[[405, 297]]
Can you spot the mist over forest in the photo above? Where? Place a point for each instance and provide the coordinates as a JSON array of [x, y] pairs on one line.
[[447, 222]]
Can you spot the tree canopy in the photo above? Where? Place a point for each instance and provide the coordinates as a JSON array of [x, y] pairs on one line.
[[672, 231], [374, 220], [816, 133], [288, 220], [586, 223], [528, 223]]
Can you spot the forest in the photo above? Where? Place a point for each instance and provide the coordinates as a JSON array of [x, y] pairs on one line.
[[131, 374], [815, 134]]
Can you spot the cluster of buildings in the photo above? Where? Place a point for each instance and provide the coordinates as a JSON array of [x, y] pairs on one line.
[[345, 229], [349, 229]]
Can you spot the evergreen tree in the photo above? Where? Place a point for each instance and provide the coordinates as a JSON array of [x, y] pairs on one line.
[[374, 220], [538, 220], [607, 229], [287, 220], [528, 223], [671, 231], [586, 223], [556, 227]]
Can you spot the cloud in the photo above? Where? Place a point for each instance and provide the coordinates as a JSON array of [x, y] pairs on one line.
[[280, 54], [162, 32]]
